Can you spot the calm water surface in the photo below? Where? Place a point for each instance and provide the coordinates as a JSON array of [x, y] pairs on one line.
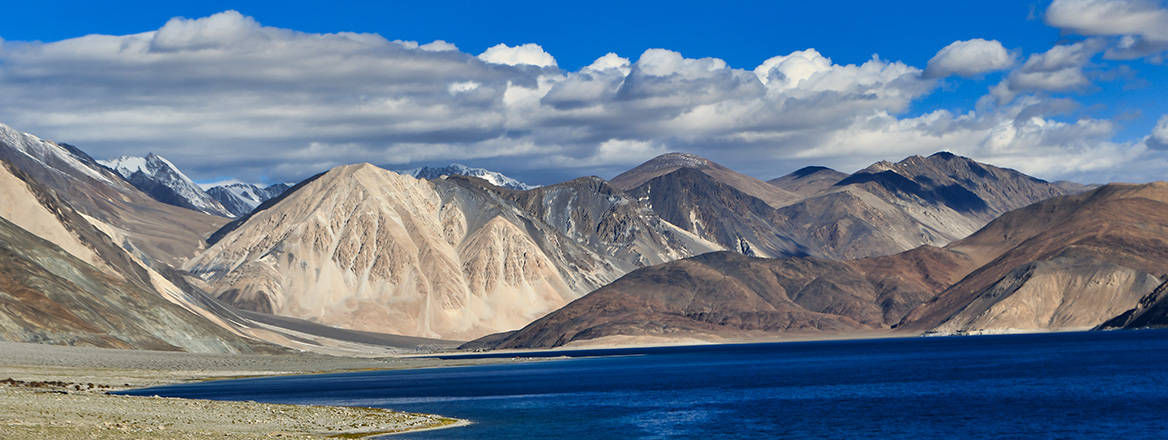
[[1069, 385]]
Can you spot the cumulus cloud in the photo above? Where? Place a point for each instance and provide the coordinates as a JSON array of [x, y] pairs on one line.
[[1142, 25], [1059, 69], [529, 54], [969, 58], [1159, 137], [229, 97]]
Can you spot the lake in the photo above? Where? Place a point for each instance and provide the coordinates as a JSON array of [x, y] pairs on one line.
[[1058, 385]]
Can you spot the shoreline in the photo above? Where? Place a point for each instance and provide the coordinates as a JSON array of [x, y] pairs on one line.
[[49, 391], [608, 344]]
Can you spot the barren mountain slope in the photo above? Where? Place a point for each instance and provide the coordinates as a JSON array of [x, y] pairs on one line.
[[668, 163], [1151, 312], [696, 202], [725, 295], [880, 210], [1079, 260], [162, 180], [892, 207], [73, 285], [604, 219], [364, 248], [1068, 263], [809, 181], [154, 231]]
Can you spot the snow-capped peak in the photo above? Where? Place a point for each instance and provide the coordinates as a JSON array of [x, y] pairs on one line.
[[242, 198], [163, 180], [494, 177], [151, 165], [46, 151], [209, 185]]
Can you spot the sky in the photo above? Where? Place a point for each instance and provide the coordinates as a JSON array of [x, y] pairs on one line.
[[277, 91]]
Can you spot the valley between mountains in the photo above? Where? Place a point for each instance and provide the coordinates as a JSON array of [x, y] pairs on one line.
[[131, 253]]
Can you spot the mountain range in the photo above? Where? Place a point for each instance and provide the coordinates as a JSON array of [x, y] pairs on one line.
[[131, 253], [1067, 263], [493, 177], [163, 181], [240, 198]]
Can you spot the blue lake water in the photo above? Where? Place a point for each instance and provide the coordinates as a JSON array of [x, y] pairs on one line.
[[1068, 385]]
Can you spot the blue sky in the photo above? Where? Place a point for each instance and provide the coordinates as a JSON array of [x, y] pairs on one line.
[[1123, 99]]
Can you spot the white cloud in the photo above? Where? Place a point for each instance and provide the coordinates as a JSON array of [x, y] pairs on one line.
[[969, 58], [216, 31], [1159, 137], [1059, 69], [438, 46], [462, 87], [227, 96], [530, 54], [1145, 18], [1141, 25], [610, 61]]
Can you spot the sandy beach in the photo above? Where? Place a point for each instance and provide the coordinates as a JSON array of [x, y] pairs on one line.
[[61, 392]]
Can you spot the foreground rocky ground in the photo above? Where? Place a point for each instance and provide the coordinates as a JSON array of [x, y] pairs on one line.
[[60, 392]]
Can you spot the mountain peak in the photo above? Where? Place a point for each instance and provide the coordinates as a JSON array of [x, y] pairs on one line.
[[661, 165], [946, 155], [680, 160], [807, 171], [456, 169], [808, 181], [162, 180]]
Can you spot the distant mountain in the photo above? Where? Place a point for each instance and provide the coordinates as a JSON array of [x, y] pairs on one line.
[[881, 210], [670, 162], [368, 249], [718, 212], [1068, 263], [163, 181], [454, 169], [809, 181], [241, 198], [891, 207]]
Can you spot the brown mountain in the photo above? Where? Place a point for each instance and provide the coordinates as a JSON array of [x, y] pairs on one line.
[[1151, 312], [809, 181], [891, 207], [881, 210], [702, 205], [668, 163], [1067, 263], [368, 249], [1071, 262]]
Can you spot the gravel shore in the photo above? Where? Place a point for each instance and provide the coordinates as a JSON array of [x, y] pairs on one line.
[[60, 392]]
